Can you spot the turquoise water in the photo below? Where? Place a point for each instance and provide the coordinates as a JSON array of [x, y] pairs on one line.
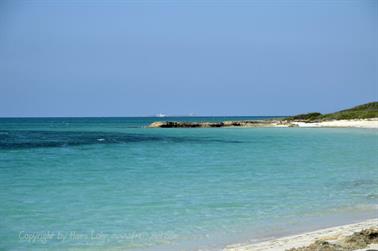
[[109, 183]]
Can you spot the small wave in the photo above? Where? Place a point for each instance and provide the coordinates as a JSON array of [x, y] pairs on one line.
[[372, 196]]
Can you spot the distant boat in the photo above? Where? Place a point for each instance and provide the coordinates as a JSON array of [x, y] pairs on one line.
[[161, 115]]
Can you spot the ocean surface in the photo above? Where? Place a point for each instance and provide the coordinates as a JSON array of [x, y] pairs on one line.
[[111, 184]]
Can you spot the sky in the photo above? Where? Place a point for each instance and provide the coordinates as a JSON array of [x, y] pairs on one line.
[[140, 58]]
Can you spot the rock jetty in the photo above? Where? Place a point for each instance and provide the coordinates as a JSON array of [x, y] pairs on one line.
[[241, 123]]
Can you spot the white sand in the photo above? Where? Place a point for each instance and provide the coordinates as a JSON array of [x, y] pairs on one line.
[[295, 241], [358, 123]]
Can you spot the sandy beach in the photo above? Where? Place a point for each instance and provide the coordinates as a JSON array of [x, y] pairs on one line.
[[332, 235], [353, 123]]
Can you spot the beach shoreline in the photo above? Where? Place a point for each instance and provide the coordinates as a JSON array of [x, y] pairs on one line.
[[330, 234], [351, 123], [371, 123]]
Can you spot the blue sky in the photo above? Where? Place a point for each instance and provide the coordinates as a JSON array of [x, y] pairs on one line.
[[138, 58]]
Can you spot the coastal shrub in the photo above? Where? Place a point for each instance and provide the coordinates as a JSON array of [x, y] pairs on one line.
[[365, 111], [306, 116]]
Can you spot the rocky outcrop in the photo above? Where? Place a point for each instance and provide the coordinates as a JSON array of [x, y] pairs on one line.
[[241, 123], [355, 241]]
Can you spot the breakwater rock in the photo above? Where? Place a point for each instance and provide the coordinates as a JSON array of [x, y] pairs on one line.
[[241, 123]]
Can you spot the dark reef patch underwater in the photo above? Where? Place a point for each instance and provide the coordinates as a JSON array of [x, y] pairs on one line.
[[27, 139]]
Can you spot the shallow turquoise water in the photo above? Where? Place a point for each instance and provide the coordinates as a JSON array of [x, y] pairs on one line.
[[96, 183]]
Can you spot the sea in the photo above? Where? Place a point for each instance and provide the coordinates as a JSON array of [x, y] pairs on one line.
[[113, 184]]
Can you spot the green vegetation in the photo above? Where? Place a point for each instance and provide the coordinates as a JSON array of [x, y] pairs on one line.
[[369, 110], [306, 116]]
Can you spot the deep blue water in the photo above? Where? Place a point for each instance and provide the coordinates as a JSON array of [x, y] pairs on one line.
[[110, 183]]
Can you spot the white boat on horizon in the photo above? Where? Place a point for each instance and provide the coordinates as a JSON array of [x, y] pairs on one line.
[[161, 115]]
